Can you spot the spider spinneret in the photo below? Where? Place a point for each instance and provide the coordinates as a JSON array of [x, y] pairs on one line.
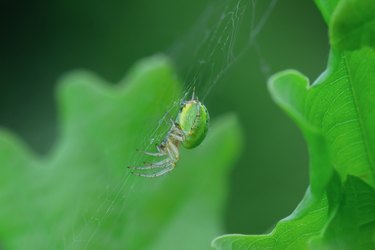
[[189, 130]]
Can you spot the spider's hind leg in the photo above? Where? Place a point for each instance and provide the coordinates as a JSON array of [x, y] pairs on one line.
[[160, 173], [160, 164], [158, 154]]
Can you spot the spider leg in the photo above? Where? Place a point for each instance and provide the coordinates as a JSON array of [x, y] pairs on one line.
[[177, 137], [153, 154], [159, 153], [160, 173], [172, 151], [159, 164], [193, 95], [173, 123]]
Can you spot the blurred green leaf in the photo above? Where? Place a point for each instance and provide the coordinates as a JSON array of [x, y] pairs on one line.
[[327, 7], [337, 118], [82, 196], [352, 25]]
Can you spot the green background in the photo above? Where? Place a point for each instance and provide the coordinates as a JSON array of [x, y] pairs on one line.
[[41, 40]]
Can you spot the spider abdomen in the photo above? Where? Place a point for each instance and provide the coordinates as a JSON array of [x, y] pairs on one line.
[[193, 120]]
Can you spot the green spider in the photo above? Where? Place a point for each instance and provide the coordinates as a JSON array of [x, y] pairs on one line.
[[189, 129]]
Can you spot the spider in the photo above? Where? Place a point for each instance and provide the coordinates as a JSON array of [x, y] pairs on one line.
[[189, 129]]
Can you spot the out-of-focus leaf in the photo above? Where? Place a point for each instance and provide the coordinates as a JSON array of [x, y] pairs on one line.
[[327, 7], [352, 25], [82, 196]]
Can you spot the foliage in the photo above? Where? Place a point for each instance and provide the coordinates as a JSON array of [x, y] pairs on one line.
[[82, 195], [337, 118]]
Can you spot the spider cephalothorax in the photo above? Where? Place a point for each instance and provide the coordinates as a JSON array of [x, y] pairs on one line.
[[189, 129]]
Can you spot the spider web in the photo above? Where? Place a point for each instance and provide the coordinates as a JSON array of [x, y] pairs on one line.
[[224, 33], [234, 29]]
